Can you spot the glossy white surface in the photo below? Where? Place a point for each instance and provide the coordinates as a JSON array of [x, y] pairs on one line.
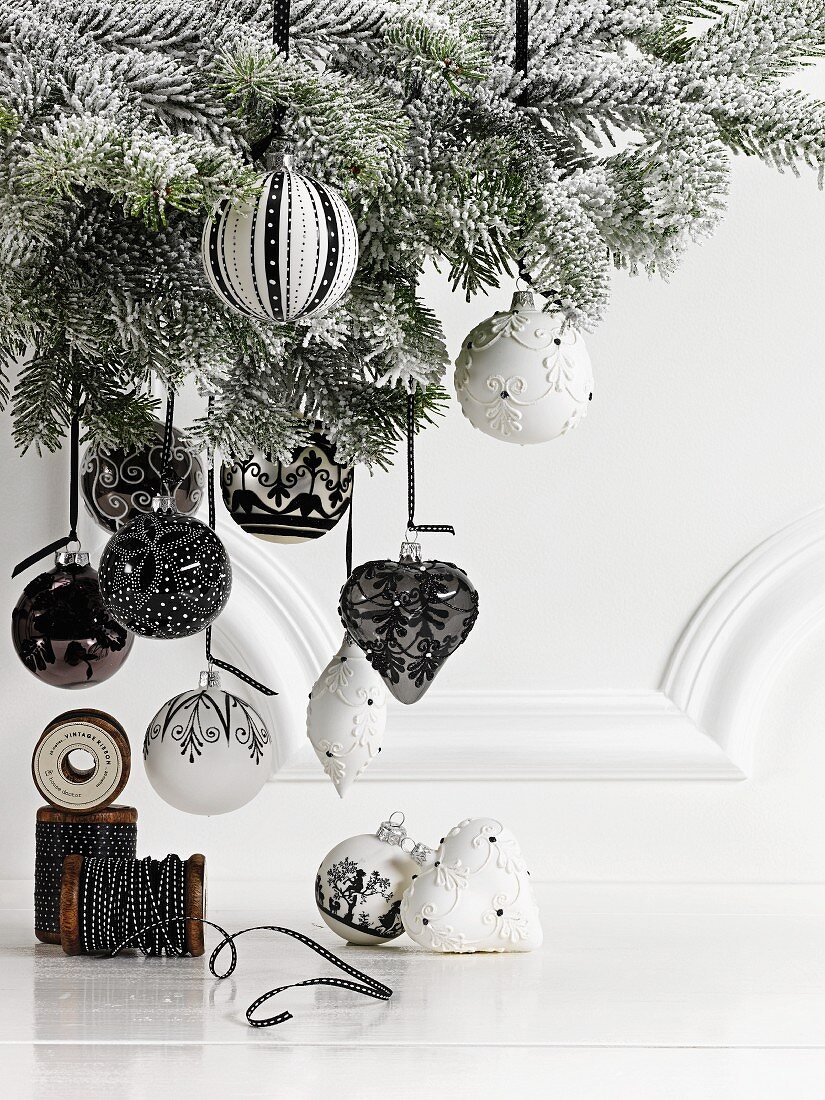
[[682, 991]]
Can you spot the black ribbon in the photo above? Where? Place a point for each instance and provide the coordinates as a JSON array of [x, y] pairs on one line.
[[74, 487], [520, 61], [521, 36], [348, 544], [211, 659], [411, 524], [167, 471], [363, 983], [280, 39]]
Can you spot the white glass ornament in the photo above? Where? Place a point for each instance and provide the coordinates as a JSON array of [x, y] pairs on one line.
[[206, 751], [347, 716], [524, 376], [285, 255], [359, 884], [476, 895]]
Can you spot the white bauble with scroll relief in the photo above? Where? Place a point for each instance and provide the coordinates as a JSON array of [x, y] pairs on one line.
[[347, 715], [475, 893], [524, 376]]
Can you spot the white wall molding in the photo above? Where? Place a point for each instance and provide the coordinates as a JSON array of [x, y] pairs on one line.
[[700, 725]]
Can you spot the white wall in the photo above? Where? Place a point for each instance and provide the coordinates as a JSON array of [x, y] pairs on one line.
[[590, 554]]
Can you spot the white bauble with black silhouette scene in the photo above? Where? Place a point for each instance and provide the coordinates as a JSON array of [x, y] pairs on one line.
[[524, 375], [360, 883], [288, 502], [207, 751]]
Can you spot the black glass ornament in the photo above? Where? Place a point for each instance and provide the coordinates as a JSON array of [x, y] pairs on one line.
[[288, 502], [119, 483], [62, 630], [408, 616], [165, 575]]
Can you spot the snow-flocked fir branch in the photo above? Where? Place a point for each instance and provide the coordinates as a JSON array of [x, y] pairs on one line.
[[122, 123]]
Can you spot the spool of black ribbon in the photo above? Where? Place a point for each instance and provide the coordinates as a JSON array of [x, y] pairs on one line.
[[111, 832]]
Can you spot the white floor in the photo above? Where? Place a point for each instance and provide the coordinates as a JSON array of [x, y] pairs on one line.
[[682, 991]]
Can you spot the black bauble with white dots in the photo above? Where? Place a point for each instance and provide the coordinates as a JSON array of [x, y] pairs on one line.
[[288, 254], [165, 575]]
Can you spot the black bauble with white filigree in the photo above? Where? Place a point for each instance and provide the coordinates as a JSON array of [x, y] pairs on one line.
[[206, 751], [165, 575], [61, 629], [119, 483], [408, 616], [288, 502]]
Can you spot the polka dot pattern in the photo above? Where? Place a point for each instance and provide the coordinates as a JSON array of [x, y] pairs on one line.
[[165, 575], [56, 840], [289, 254]]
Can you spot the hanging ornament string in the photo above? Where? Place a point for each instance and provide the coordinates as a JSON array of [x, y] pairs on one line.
[[119, 895], [348, 544], [522, 40], [280, 39], [74, 461], [520, 60], [167, 470], [210, 657], [446, 528]]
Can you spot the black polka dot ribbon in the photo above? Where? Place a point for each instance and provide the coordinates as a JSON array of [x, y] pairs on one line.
[[210, 657], [58, 544], [362, 983], [446, 528], [280, 39]]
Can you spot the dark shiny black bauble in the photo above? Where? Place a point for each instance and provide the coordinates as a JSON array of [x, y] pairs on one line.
[[119, 483], [63, 632], [408, 616], [165, 575], [288, 502]]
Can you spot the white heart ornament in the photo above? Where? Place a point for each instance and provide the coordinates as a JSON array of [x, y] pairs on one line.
[[476, 895], [347, 715]]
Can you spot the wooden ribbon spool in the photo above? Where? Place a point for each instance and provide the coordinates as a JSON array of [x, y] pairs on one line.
[[81, 788], [194, 904], [108, 832]]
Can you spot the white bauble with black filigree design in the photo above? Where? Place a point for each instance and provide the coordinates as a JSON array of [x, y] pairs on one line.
[[206, 751], [347, 716], [524, 376], [287, 254], [288, 501]]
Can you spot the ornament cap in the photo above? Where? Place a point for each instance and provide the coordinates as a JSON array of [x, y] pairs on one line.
[[164, 502], [522, 300], [422, 854], [278, 160], [210, 678], [66, 557], [410, 549], [392, 832]]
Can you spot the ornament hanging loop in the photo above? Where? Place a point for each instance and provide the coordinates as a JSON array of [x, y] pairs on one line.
[[445, 528]]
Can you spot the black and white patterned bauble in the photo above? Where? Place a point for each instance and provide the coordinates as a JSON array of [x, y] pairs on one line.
[[165, 575], [408, 616], [288, 502], [289, 253], [206, 751], [117, 482], [360, 883]]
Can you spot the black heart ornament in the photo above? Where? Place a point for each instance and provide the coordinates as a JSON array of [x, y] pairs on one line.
[[408, 616]]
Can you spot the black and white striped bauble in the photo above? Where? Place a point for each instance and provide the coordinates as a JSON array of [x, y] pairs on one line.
[[286, 255]]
